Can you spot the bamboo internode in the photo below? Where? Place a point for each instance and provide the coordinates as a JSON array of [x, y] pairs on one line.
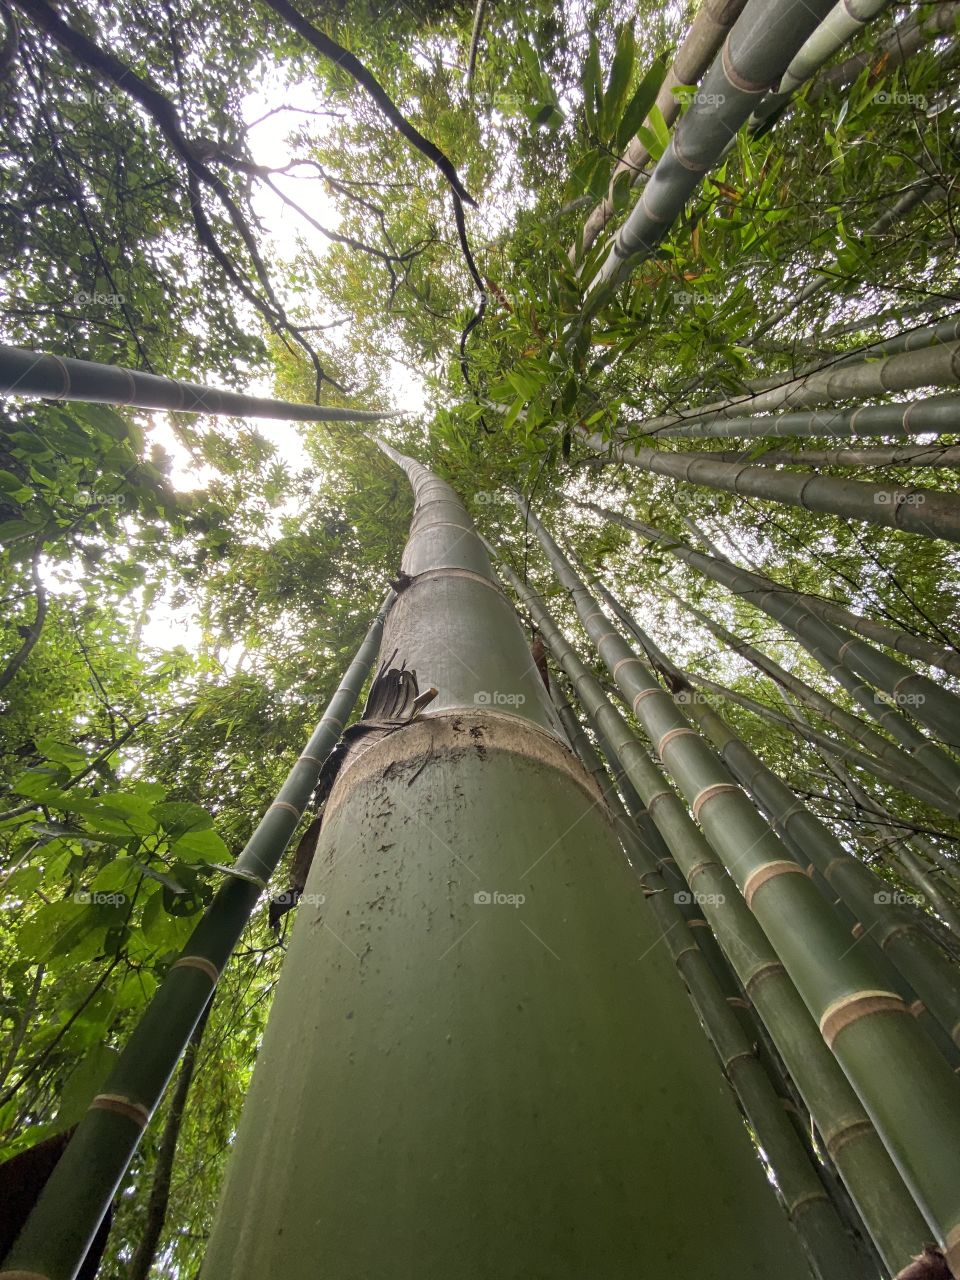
[[49, 377]]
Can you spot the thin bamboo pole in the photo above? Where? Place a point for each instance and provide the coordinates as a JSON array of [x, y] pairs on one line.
[[936, 366], [54, 1242], [898, 763], [756, 52], [826, 1243], [932, 513], [861, 1021], [940, 414], [881, 1199], [849, 660], [48, 377], [917, 455]]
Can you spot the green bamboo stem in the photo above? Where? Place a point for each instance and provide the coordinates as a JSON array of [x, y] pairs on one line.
[[842, 655], [32, 374], [898, 932], [69, 1211], [910, 864], [739, 1003], [826, 1243], [756, 52], [936, 366], [931, 414], [899, 764], [465, 1073], [889, 1213], [847, 755], [862, 1021], [932, 513]]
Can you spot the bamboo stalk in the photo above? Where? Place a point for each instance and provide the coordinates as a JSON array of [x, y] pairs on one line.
[[427, 1064], [852, 662], [898, 932], [756, 52], [899, 763], [862, 1021], [947, 330], [883, 1202], [67, 1214], [48, 377], [707, 32], [917, 455], [932, 513], [935, 366], [826, 1243], [844, 21], [940, 414]]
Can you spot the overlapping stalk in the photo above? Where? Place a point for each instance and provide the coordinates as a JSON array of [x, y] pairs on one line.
[[861, 1020], [844, 21], [54, 1242], [936, 366], [32, 374], [935, 413], [808, 1207], [889, 1213], [849, 660], [445, 1075], [930, 512], [885, 751], [707, 31], [916, 455], [824, 744], [947, 330], [897, 931], [755, 54]]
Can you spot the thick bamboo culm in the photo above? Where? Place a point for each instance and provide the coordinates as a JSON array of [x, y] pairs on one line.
[[824, 1238], [880, 684], [54, 1242], [863, 1022], [883, 1202], [48, 377]]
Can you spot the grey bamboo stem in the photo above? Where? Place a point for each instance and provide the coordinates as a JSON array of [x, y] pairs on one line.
[[48, 377], [933, 456], [69, 1211], [932, 413], [707, 31], [756, 52], [936, 366], [931, 513]]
